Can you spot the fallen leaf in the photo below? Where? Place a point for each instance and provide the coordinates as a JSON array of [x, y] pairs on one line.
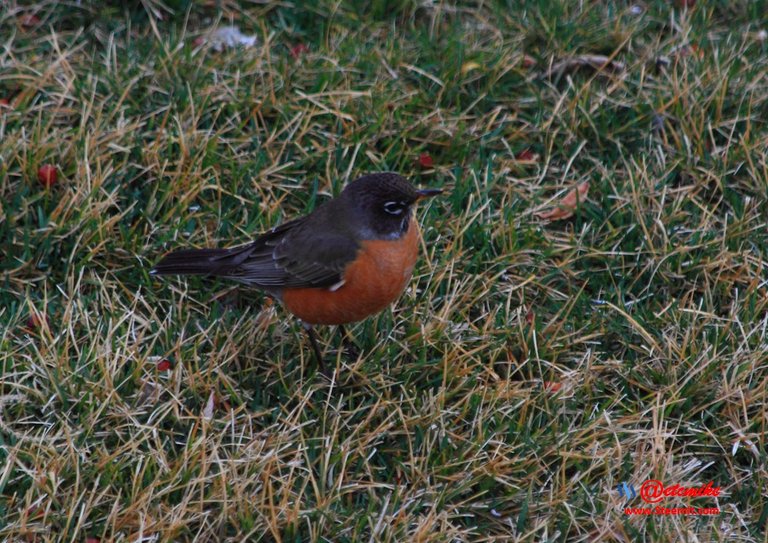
[[526, 155], [552, 386], [299, 49], [226, 36], [567, 205], [209, 406], [528, 61], [29, 20], [47, 175], [530, 316], [37, 322], [468, 67], [425, 160], [596, 62]]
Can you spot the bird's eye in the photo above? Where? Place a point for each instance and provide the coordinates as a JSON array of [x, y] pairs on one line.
[[394, 208]]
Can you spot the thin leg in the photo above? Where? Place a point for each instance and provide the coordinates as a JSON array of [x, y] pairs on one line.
[[347, 343], [315, 347]]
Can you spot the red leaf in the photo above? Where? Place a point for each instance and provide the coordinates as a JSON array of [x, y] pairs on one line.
[[4, 103], [530, 316], [29, 20], [425, 161], [526, 155], [47, 175], [36, 322], [552, 386], [164, 365], [299, 49], [528, 61]]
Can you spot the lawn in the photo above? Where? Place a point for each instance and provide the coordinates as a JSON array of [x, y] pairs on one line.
[[589, 311]]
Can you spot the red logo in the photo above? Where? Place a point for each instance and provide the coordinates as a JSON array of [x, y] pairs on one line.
[[653, 491]]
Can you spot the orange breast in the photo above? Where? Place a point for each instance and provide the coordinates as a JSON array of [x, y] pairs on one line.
[[374, 280]]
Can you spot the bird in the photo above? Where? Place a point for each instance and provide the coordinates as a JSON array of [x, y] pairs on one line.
[[345, 261]]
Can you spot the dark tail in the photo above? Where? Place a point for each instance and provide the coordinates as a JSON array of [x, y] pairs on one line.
[[198, 262]]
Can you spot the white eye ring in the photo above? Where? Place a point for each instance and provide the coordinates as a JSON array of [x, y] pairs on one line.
[[394, 208]]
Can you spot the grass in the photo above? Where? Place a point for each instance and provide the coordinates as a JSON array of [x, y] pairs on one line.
[[530, 368]]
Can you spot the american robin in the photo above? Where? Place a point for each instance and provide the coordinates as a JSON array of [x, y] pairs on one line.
[[347, 260]]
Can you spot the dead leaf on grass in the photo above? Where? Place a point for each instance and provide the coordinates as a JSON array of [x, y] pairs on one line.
[[469, 67], [210, 406], [226, 36], [596, 62], [552, 386], [567, 205]]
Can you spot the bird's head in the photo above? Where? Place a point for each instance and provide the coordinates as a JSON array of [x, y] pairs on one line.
[[382, 203]]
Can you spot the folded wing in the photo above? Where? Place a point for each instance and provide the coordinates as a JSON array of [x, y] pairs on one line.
[[292, 255]]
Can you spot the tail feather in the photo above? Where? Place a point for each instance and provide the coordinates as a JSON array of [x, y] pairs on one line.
[[195, 262]]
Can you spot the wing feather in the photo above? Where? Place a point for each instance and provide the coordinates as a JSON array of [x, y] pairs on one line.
[[311, 251]]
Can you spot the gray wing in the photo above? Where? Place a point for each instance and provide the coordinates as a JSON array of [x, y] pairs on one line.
[[296, 254]]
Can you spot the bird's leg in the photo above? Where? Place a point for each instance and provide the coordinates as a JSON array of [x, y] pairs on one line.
[[315, 347], [347, 343]]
